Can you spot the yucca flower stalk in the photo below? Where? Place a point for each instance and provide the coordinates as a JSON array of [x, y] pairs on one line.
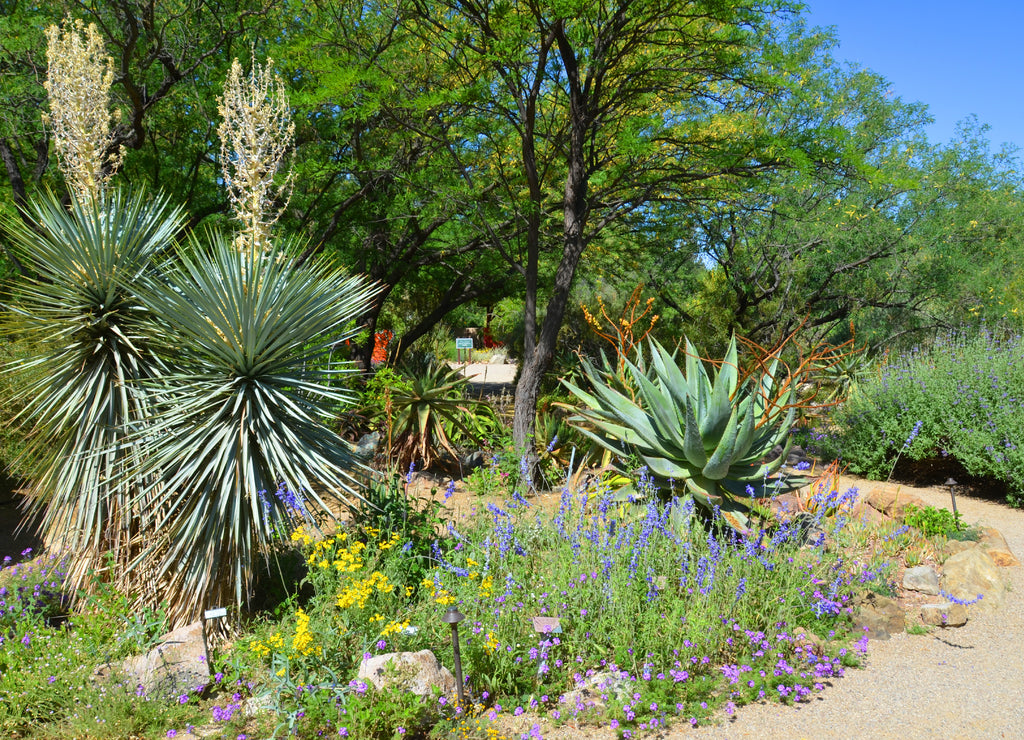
[[78, 77], [256, 133]]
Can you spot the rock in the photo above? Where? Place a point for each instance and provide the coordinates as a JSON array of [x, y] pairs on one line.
[[869, 515], [973, 572], [176, 666], [952, 547], [367, 445], [418, 673], [499, 359], [594, 692], [883, 617], [796, 455], [993, 542], [807, 640], [893, 503], [256, 706], [946, 614], [923, 579], [785, 506], [473, 461]]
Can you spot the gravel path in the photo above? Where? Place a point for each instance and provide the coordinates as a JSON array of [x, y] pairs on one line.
[[953, 684], [957, 683]]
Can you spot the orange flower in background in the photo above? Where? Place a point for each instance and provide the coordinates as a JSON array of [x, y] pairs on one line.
[[381, 340]]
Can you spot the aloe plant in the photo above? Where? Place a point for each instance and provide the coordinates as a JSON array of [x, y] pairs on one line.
[[709, 435], [428, 412]]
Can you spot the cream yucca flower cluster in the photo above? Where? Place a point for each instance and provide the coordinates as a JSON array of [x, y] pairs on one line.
[[256, 133], [78, 78]]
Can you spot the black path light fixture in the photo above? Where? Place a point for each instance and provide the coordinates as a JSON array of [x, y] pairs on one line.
[[953, 484], [453, 616]]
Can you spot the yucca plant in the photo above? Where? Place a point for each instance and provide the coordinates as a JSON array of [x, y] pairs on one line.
[[82, 391], [246, 337], [710, 436]]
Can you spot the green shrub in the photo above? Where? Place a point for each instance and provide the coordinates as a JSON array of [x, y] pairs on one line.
[[967, 393], [932, 522]]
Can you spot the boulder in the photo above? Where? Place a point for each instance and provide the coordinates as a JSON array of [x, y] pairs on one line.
[[419, 673], [868, 515], [893, 503], [946, 614], [176, 666], [785, 506], [796, 456], [952, 547], [922, 579], [881, 616], [993, 542], [474, 460], [367, 445], [594, 692], [970, 573]]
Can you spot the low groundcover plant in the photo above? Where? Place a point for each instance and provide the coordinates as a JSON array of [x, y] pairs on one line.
[[662, 617], [656, 618]]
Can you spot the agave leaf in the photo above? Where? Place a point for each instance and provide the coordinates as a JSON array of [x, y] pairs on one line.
[[719, 462], [747, 433], [663, 417], [693, 445], [697, 378], [716, 416], [615, 406], [669, 375], [666, 469], [705, 492]]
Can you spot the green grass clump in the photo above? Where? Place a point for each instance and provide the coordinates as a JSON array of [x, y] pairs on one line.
[[961, 398]]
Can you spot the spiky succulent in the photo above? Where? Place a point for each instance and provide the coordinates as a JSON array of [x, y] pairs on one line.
[[710, 435]]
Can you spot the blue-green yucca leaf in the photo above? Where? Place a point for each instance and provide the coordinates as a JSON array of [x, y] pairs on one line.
[[247, 340], [81, 390]]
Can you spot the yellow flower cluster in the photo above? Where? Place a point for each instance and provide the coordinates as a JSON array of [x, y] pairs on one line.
[[333, 552], [357, 592], [302, 643], [441, 596], [486, 586], [301, 535], [394, 628], [264, 648], [492, 643]]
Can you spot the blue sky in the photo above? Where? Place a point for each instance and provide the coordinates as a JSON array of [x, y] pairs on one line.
[[959, 58]]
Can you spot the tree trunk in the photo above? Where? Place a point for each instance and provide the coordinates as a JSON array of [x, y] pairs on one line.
[[575, 212]]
